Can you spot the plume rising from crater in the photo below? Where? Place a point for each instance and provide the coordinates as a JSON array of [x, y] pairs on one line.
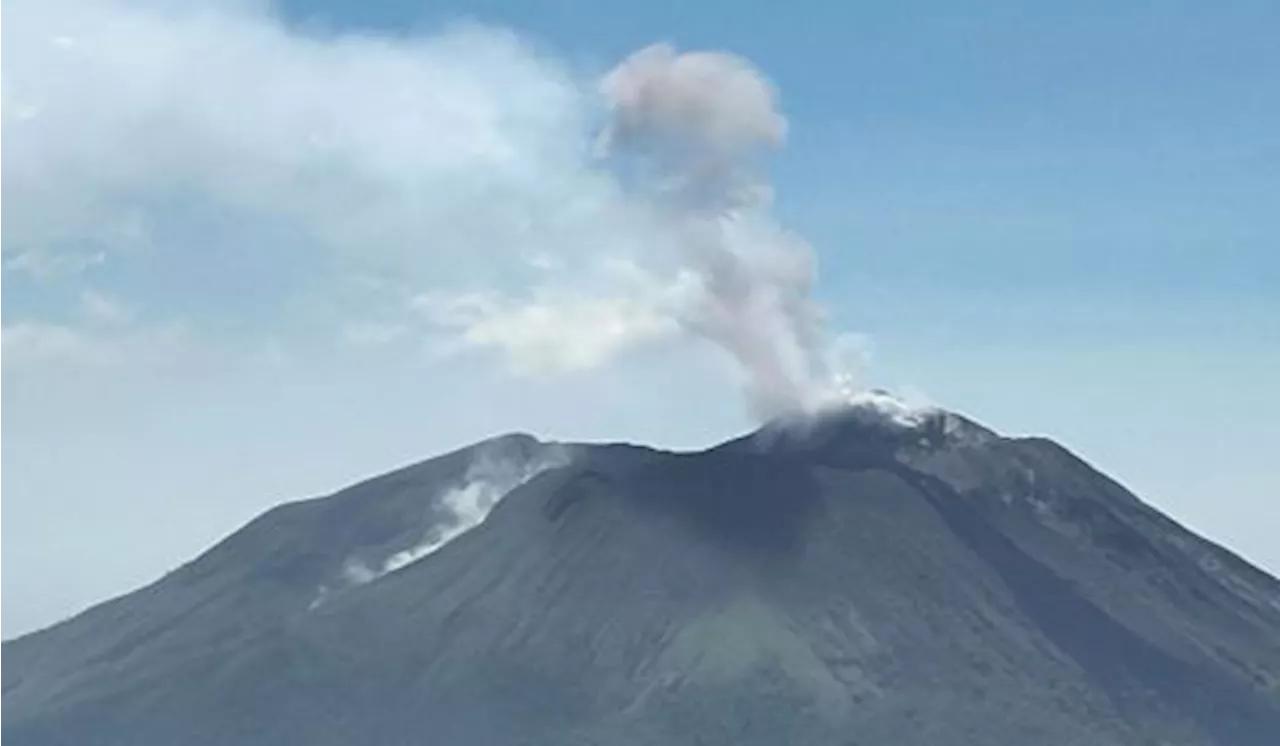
[[698, 124]]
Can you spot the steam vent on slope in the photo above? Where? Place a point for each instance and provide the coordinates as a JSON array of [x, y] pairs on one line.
[[860, 581]]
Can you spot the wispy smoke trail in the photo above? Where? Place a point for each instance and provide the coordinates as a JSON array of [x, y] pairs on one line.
[[489, 479]]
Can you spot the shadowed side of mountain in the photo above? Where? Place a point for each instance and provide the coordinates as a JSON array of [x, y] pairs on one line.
[[1190, 595], [1181, 621]]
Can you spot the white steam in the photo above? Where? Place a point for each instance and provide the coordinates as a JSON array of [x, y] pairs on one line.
[[489, 479]]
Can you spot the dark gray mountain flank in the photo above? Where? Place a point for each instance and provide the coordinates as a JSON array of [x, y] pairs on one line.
[[856, 581]]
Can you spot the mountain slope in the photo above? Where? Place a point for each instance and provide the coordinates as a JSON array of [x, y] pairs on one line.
[[854, 581]]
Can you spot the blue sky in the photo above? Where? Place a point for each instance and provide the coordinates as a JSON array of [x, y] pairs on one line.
[[1058, 218]]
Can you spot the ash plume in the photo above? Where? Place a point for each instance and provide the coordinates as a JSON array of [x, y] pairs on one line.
[[696, 126]]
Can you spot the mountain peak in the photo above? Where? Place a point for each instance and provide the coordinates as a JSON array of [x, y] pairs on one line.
[[872, 425]]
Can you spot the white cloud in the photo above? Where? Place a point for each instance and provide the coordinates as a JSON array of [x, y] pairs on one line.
[[13, 108], [45, 264], [421, 151], [549, 334], [558, 329], [34, 341], [101, 309], [372, 333], [33, 344]]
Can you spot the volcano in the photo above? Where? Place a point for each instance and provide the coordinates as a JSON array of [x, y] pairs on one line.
[[852, 580]]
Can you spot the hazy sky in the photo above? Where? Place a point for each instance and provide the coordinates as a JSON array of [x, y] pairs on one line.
[[254, 253]]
